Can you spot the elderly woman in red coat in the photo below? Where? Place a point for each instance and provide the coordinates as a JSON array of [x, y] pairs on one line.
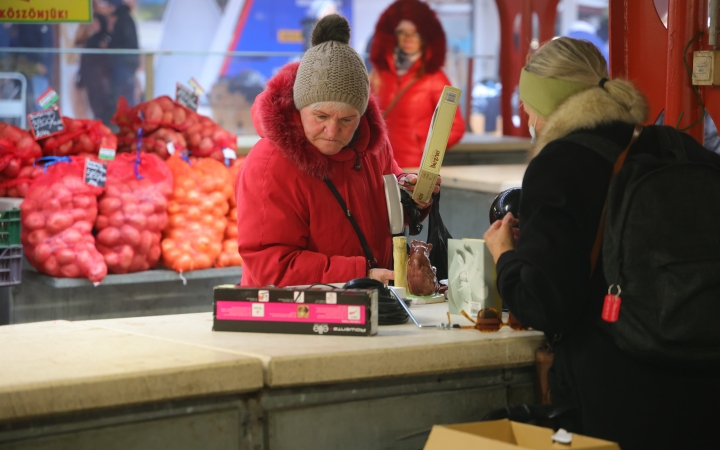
[[319, 128], [407, 53]]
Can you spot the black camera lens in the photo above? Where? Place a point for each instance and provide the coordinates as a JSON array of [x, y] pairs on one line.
[[505, 202]]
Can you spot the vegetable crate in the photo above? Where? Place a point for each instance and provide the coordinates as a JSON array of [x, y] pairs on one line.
[[10, 228], [11, 265]]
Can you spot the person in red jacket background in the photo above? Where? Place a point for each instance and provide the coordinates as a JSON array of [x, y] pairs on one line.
[[318, 125], [407, 53]]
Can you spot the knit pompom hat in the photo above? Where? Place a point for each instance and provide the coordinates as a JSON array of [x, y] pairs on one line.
[[331, 71]]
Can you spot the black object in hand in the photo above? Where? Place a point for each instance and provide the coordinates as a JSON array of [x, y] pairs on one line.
[[505, 202]]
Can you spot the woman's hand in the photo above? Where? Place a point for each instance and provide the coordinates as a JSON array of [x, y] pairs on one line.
[[408, 182], [382, 275], [501, 235]]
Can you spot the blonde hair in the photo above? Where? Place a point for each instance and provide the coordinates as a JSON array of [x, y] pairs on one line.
[[579, 61]]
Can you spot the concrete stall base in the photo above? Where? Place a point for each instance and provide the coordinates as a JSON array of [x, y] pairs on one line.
[[171, 382]]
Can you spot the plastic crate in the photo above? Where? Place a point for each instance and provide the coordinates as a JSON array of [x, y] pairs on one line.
[[11, 265], [10, 228]]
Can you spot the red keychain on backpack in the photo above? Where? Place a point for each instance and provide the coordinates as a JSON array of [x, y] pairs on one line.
[[611, 307]]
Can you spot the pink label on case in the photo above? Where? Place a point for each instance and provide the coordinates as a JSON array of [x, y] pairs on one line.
[[290, 312]]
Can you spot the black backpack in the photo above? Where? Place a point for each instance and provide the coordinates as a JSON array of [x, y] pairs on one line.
[[662, 248]]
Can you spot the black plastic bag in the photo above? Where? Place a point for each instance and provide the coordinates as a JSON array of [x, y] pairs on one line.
[[438, 236]]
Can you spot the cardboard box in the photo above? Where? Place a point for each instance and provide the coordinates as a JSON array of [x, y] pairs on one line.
[[506, 435], [436, 143], [343, 312]]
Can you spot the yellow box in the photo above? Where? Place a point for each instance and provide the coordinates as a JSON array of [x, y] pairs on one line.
[[436, 143]]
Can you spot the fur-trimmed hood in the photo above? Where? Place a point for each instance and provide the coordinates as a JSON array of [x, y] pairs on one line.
[[428, 25], [276, 119], [589, 109]]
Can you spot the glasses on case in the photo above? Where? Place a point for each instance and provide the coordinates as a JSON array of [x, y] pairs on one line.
[[489, 320]]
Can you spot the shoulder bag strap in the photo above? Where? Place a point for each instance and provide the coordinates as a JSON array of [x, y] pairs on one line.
[[398, 96], [372, 262], [619, 162]]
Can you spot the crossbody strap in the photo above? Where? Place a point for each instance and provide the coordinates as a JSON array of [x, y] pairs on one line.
[[399, 96], [619, 162], [371, 261]]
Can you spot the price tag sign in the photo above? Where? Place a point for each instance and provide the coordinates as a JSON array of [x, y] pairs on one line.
[[46, 123], [229, 153], [107, 154], [170, 148], [95, 173], [186, 96]]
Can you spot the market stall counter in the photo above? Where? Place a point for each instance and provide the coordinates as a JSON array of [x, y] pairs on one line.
[[319, 391]]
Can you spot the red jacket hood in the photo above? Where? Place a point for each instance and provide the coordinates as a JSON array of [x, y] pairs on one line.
[[428, 25], [276, 119]]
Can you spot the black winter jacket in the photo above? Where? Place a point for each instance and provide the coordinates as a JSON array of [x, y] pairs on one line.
[[546, 283]]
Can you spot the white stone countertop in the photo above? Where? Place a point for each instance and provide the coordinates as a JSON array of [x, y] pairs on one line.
[[487, 178], [59, 367], [400, 350]]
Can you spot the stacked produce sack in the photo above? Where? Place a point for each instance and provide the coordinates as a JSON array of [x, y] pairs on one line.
[[18, 151], [133, 212], [197, 213], [161, 121], [230, 255], [80, 138], [57, 218]]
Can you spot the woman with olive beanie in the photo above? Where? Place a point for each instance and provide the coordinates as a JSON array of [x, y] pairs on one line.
[[545, 277], [318, 124]]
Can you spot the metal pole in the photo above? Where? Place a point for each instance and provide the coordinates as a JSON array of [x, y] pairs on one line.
[[149, 76]]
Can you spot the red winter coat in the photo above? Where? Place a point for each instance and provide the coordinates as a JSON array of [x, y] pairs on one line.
[[291, 230], [409, 120]]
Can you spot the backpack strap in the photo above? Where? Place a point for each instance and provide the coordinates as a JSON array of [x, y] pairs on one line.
[[619, 162]]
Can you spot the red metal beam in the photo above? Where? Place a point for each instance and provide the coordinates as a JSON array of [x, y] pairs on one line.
[[514, 48]]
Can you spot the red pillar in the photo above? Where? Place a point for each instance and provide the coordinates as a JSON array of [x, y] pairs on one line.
[[638, 49], [514, 48], [513, 51], [685, 21]]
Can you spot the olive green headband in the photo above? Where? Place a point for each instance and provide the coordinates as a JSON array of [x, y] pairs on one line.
[[544, 95]]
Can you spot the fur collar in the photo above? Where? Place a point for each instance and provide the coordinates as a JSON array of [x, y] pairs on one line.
[[589, 109], [427, 24], [279, 122]]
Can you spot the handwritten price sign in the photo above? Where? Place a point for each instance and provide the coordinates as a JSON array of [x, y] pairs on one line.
[[46, 123]]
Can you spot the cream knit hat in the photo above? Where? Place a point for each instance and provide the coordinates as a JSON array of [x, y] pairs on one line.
[[331, 71]]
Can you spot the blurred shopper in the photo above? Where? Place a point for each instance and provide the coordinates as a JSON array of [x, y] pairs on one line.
[[581, 29], [37, 67], [545, 277], [407, 54], [123, 36], [712, 139], [95, 69]]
